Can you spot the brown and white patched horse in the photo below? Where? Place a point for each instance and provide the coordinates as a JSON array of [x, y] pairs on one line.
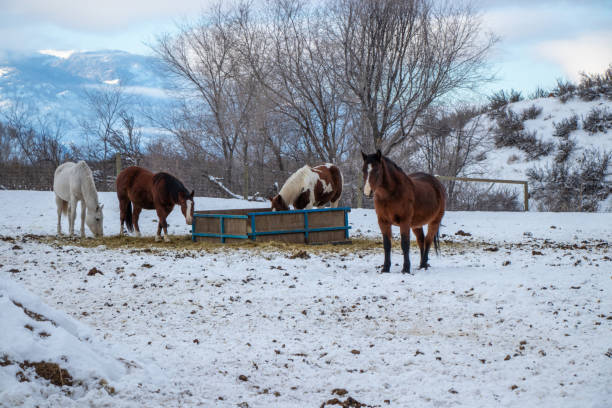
[[310, 187], [410, 201], [145, 190]]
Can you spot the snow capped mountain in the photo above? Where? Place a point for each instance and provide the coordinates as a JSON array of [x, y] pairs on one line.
[[52, 79]]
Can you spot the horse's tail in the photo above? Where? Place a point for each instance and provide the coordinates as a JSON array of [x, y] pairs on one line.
[[436, 241], [128, 217]]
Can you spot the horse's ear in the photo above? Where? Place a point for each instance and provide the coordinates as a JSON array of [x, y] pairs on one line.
[[101, 207], [378, 154], [192, 193], [365, 156]]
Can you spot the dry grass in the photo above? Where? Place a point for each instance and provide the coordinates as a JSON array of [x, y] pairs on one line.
[[184, 243]]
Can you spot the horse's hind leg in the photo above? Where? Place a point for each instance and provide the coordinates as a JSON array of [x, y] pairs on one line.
[[136, 217], [420, 237], [72, 215], [61, 204], [432, 230]]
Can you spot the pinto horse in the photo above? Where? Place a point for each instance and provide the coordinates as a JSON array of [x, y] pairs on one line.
[[159, 192], [310, 187], [409, 201]]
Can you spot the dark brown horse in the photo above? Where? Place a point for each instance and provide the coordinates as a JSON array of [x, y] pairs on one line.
[[409, 201], [145, 190]]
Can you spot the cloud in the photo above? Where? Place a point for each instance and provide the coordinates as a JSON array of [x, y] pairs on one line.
[[590, 53], [100, 16], [529, 22]]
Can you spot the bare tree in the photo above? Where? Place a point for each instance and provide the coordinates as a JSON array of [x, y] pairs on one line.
[[203, 56], [105, 105], [401, 56], [295, 64], [127, 139]]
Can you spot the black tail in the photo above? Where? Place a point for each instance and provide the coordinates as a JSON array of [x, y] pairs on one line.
[[436, 241], [128, 217]]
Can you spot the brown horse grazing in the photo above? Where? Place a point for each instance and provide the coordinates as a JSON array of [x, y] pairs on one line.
[[159, 192], [409, 201]]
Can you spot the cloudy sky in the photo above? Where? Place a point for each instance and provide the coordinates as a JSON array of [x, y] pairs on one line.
[[541, 40]]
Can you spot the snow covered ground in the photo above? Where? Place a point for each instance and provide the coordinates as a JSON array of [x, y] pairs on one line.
[[519, 313]]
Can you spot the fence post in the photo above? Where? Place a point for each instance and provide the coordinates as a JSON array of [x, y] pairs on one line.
[[117, 164], [526, 196]]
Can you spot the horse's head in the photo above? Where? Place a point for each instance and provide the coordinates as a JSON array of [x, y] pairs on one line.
[[373, 169], [94, 220], [186, 203], [278, 204]]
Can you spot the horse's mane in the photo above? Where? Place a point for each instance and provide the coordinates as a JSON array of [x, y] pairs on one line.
[[88, 185], [173, 185], [390, 163]]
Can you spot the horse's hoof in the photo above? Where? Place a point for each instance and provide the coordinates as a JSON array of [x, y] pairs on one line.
[[383, 271], [137, 234], [166, 239], [157, 238]]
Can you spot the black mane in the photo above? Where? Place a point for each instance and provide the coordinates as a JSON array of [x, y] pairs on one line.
[[392, 164], [173, 185]]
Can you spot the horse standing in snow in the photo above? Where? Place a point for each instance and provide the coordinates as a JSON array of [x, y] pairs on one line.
[[159, 192], [73, 182], [409, 201], [310, 187]]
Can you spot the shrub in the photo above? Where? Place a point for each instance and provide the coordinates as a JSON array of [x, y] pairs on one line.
[[564, 150], [531, 112], [510, 132], [598, 120], [564, 90], [566, 126], [576, 186], [474, 197], [539, 93], [500, 99]]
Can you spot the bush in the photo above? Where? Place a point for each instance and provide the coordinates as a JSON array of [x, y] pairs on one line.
[[539, 93], [564, 150], [564, 90], [565, 127], [500, 99], [475, 197], [575, 186], [531, 112], [598, 120], [510, 132]]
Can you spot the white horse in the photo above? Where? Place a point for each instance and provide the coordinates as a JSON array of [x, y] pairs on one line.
[[73, 182]]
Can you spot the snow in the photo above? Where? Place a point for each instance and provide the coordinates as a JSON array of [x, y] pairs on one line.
[[63, 54], [191, 323]]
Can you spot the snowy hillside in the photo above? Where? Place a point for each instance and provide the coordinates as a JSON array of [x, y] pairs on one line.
[[516, 311], [512, 163], [551, 142]]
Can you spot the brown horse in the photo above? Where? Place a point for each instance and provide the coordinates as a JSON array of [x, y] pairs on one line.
[[159, 192], [409, 201]]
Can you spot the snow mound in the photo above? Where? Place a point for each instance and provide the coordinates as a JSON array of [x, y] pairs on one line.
[[48, 358]]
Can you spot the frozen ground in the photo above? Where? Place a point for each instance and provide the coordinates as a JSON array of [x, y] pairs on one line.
[[517, 314]]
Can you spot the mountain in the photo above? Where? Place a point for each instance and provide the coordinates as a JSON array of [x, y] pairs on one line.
[[56, 80]]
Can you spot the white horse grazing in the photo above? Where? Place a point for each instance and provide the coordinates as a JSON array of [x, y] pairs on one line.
[[73, 182]]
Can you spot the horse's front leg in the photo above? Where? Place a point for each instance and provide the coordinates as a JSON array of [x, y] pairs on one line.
[[161, 216], [83, 209], [405, 234], [385, 229]]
